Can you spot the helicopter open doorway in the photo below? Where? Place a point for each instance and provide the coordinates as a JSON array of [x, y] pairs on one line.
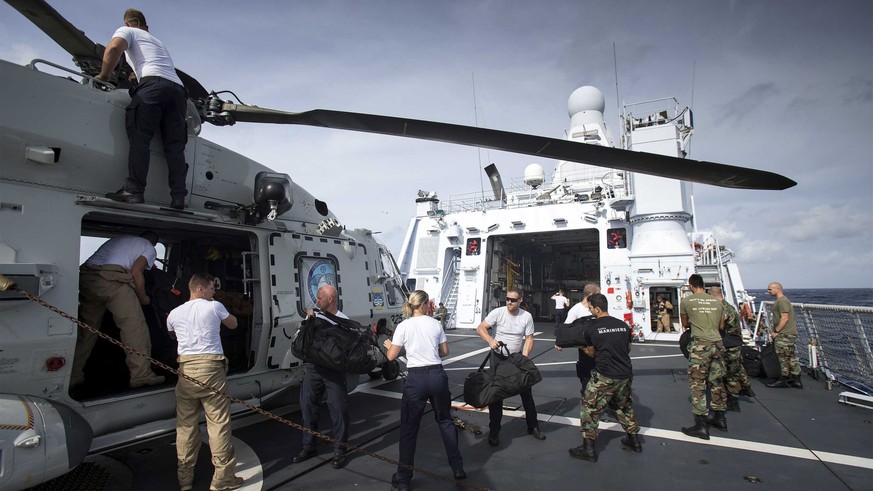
[[186, 248]]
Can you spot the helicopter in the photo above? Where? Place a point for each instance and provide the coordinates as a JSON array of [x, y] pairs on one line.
[[269, 241]]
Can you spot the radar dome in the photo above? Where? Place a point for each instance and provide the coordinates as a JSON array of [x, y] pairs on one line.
[[586, 98], [534, 175]]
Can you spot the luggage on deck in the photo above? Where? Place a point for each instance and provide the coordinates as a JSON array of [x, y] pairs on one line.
[[570, 335], [508, 375], [346, 346], [770, 363], [751, 360]]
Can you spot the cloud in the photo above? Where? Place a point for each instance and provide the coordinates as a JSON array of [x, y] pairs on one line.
[[827, 222]]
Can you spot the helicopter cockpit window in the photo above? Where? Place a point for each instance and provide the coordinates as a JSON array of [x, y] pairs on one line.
[[393, 286], [313, 273]]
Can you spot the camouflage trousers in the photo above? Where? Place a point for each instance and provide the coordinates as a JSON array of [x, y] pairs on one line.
[[598, 393], [706, 369], [736, 378], [784, 344]]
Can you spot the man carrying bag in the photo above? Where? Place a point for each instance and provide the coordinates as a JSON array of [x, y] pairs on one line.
[[514, 327]]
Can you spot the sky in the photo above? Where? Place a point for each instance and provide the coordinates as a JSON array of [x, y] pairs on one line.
[[780, 86]]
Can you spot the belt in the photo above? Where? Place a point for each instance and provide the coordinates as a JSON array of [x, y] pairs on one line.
[[151, 78], [427, 368]]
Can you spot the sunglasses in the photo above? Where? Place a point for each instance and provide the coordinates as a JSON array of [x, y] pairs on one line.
[[512, 300]]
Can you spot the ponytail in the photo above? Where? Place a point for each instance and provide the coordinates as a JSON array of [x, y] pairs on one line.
[[415, 301]]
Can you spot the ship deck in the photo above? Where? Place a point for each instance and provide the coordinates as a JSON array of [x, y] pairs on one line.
[[782, 438]]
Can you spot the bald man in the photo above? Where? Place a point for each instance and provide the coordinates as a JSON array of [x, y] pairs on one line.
[[784, 335], [317, 380]]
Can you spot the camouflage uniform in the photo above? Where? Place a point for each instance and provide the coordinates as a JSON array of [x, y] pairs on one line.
[[736, 378], [598, 393], [784, 343], [706, 368]]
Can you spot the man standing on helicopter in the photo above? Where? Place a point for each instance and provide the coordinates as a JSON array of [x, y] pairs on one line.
[[158, 101]]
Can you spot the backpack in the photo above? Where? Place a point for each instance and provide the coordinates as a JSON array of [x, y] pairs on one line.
[[346, 346]]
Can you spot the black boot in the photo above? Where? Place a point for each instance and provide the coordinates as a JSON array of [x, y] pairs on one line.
[[586, 451], [700, 428], [747, 391], [718, 421], [781, 382], [795, 382], [632, 442], [733, 404]]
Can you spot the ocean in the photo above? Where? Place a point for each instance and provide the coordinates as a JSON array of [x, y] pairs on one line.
[[861, 297]]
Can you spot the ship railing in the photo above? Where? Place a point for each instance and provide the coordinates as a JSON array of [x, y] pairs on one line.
[[577, 185], [833, 340]]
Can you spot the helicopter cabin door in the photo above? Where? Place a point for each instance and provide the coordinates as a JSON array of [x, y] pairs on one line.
[[284, 316]]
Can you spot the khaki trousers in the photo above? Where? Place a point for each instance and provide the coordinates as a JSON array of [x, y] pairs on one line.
[[110, 287], [190, 399]]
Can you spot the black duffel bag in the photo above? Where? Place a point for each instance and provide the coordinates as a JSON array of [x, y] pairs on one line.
[[346, 346], [508, 375], [751, 360], [770, 362], [573, 334]]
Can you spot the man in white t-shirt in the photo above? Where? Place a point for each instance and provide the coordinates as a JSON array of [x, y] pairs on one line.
[[158, 101], [561, 303], [112, 279], [514, 327], [196, 325]]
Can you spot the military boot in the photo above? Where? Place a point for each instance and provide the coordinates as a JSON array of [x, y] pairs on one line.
[[718, 421], [747, 391], [733, 404], [700, 428], [795, 382], [781, 382], [632, 443], [586, 451]]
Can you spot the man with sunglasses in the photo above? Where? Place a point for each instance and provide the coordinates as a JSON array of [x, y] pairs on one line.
[[514, 327]]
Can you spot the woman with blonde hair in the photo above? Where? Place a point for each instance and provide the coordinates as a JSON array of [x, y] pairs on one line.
[[425, 342]]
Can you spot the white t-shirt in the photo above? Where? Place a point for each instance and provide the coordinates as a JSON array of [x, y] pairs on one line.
[[197, 324], [421, 336], [147, 54], [511, 329], [578, 311], [560, 301], [123, 251]]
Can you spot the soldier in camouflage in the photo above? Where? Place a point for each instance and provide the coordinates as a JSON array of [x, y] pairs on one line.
[[608, 341], [784, 337], [736, 380], [704, 315]]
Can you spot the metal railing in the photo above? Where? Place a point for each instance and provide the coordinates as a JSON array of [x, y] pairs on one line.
[[832, 339]]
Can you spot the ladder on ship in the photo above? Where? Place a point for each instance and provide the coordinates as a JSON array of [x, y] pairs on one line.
[[449, 296]]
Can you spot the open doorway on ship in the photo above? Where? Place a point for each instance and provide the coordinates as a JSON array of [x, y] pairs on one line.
[[664, 301], [541, 263]]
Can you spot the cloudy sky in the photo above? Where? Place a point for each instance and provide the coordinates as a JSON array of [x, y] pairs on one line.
[[781, 86]]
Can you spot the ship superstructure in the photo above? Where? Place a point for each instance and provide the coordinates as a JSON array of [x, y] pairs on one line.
[[631, 233]]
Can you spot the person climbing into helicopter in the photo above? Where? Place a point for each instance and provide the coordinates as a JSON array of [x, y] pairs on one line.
[[158, 101], [112, 279]]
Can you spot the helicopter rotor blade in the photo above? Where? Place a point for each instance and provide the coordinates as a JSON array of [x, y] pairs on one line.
[[614, 158]]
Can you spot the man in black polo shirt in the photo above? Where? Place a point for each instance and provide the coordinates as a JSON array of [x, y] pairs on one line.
[[609, 343]]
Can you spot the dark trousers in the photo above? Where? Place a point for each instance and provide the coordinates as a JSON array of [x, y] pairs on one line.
[[426, 384], [495, 412], [560, 317], [157, 104], [317, 380]]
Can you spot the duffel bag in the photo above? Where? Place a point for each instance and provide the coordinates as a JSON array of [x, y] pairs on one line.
[[732, 340], [770, 362], [508, 375], [751, 360], [573, 334], [344, 345]]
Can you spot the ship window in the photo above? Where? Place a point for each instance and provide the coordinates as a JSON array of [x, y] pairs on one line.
[[616, 238], [473, 247]]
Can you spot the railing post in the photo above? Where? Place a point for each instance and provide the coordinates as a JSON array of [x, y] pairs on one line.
[[862, 338]]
